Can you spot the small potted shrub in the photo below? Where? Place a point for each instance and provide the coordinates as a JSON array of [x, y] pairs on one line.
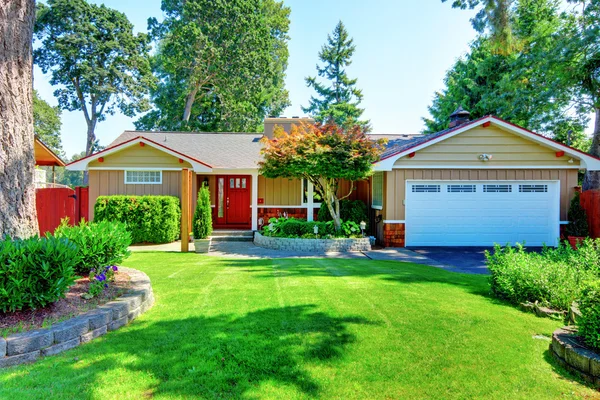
[[577, 229], [202, 223]]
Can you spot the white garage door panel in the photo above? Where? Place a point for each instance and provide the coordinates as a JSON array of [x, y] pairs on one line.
[[482, 218]]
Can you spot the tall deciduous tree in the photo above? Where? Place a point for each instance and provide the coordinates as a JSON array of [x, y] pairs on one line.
[[17, 192], [93, 54], [338, 99], [220, 64], [46, 123], [324, 155]]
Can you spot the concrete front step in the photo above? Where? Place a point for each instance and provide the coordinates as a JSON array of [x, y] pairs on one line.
[[232, 236]]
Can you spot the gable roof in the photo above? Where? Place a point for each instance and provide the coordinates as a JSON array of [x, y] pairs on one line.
[[44, 156], [399, 149]]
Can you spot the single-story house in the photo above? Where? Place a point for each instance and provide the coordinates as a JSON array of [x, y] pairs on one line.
[[475, 184]]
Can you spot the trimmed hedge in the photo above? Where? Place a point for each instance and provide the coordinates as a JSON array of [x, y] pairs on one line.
[[589, 323], [150, 219], [100, 244], [350, 210], [35, 272], [299, 228], [202, 222]]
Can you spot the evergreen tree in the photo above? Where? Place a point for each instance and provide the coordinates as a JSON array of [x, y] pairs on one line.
[[338, 98]]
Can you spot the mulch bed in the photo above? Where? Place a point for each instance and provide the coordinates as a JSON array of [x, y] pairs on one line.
[[73, 304]]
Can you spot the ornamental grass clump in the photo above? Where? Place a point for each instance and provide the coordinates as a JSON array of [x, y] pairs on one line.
[[35, 272]]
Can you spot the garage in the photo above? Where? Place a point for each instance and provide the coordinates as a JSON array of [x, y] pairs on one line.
[[482, 213]]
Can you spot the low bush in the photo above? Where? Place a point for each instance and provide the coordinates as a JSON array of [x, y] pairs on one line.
[[35, 272], [589, 323], [350, 210], [554, 277], [151, 219], [299, 228], [99, 244]]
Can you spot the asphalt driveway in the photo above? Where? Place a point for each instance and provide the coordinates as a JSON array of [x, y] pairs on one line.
[[470, 260]]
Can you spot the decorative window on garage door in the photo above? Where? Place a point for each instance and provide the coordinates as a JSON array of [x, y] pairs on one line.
[[497, 188], [461, 189], [143, 177], [425, 188], [533, 188]]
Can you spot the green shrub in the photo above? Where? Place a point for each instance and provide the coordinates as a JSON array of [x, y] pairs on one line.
[[548, 277], [99, 244], [589, 323], [151, 219], [299, 228], [350, 210], [578, 223], [202, 223], [35, 272]]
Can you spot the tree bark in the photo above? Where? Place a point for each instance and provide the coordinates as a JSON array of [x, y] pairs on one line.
[[591, 180], [89, 146], [17, 162], [189, 103]]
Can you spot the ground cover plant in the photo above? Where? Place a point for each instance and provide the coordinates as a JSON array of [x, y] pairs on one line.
[[300, 228], [307, 328], [553, 277]]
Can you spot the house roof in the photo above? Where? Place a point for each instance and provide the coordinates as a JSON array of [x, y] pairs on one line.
[[46, 157]]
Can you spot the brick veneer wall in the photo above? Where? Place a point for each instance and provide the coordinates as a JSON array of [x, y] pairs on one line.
[[394, 235], [29, 346], [276, 212]]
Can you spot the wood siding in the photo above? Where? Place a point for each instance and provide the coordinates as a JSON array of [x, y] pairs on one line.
[[107, 183], [395, 183], [507, 149], [140, 157], [279, 191]]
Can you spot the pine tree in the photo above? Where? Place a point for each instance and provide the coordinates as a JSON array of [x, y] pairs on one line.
[[338, 99]]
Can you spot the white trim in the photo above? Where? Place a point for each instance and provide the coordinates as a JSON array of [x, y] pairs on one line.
[[588, 162], [377, 207], [394, 221], [82, 164], [232, 171], [288, 206], [132, 169], [254, 200], [486, 166], [160, 181]]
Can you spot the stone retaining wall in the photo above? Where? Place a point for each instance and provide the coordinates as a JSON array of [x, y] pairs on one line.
[[574, 356], [29, 346], [312, 245]]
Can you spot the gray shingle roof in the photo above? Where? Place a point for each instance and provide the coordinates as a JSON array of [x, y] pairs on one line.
[[219, 150]]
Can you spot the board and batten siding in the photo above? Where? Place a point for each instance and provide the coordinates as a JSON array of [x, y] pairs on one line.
[[108, 183], [395, 183], [280, 191], [507, 150], [137, 156]]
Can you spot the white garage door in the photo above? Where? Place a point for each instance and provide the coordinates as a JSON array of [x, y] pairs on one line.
[[469, 213]]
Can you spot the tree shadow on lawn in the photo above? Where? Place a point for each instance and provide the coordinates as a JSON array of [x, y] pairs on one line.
[[564, 373], [220, 356]]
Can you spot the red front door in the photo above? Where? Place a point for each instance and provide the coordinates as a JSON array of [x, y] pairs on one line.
[[233, 200]]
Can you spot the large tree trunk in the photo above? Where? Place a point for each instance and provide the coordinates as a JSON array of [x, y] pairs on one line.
[[89, 146], [17, 191], [592, 178], [189, 102]]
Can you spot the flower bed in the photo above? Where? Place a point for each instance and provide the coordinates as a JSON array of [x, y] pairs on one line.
[[29, 346], [312, 245], [572, 354]]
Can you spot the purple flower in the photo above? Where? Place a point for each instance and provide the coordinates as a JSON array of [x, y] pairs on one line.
[[106, 286], [114, 268]]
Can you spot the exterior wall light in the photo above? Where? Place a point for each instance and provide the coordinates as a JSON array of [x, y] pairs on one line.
[[485, 157], [363, 226]]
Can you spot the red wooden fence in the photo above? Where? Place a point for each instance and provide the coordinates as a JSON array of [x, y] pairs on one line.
[[82, 204], [590, 201], [55, 204]]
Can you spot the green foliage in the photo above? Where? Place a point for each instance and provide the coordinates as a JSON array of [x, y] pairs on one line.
[[46, 123], [578, 223], [589, 323], [221, 65], [350, 210], [554, 277], [35, 272], [93, 54], [339, 98], [151, 219], [99, 244], [202, 223], [299, 228]]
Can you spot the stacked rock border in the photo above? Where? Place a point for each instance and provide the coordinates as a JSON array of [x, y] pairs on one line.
[[571, 354], [312, 245], [27, 347]]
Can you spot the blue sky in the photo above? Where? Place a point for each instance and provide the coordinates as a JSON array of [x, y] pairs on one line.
[[403, 51]]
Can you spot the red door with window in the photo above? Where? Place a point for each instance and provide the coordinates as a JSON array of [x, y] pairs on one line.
[[233, 201]]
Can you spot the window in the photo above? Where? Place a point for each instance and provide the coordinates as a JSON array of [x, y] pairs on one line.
[[533, 188], [497, 188], [461, 188], [377, 200], [316, 197], [143, 177], [425, 188]]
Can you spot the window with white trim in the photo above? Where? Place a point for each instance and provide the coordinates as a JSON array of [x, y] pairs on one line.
[[377, 191], [143, 177], [316, 196]]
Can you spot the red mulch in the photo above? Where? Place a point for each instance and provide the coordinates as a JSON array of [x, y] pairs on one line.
[[72, 305]]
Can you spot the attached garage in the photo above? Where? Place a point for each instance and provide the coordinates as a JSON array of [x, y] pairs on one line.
[[472, 213]]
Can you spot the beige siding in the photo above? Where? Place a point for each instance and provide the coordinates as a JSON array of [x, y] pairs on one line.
[[106, 183], [279, 191], [140, 157], [507, 149], [395, 183]]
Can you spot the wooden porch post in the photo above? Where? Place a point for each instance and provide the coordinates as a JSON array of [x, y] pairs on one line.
[[185, 210]]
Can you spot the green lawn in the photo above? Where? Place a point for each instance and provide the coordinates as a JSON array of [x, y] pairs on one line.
[[287, 329]]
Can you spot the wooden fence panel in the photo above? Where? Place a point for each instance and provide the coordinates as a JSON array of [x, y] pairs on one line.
[[590, 201], [54, 204]]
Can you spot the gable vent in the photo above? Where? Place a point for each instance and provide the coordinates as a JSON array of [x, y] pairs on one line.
[[461, 189], [425, 188], [533, 188]]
